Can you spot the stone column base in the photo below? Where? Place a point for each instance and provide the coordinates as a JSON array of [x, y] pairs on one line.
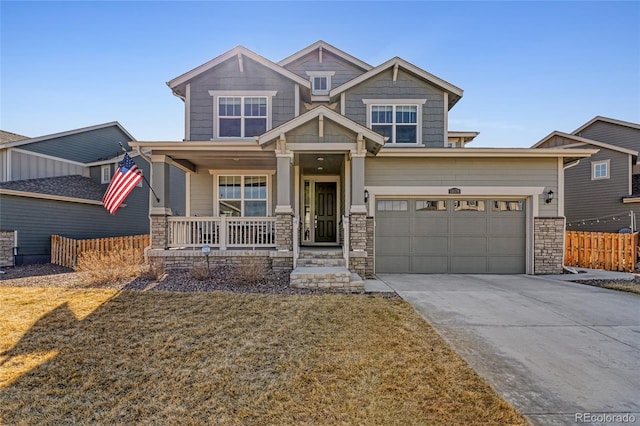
[[548, 245]]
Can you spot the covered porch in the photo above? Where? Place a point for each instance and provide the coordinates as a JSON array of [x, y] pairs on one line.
[[298, 185]]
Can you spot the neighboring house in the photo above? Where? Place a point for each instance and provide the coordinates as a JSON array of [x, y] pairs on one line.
[[322, 150], [601, 192], [54, 185]]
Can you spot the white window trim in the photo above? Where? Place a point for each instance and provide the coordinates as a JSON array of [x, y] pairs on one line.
[[598, 163], [327, 74], [215, 94], [394, 102], [242, 173], [106, 168]]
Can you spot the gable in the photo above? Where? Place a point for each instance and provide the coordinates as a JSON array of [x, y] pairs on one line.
[[309, 133], [344, 70], [613, 134], [83, 147]]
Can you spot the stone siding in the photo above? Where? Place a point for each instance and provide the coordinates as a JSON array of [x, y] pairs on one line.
[[183, 260], [369, 267], [7, 242], [159, 232], [548, 246], [284, 231], [358, 244]]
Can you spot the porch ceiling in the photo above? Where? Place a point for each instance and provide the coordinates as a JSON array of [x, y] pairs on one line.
[[331, 164], [229, 160]]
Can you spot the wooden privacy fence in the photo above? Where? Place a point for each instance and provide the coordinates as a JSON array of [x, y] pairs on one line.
[[600, 250], [65, 251]]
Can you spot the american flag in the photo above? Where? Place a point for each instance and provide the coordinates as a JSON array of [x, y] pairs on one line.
[[125, 179]]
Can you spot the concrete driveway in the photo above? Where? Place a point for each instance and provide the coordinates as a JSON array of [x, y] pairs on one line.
[[552, 349]]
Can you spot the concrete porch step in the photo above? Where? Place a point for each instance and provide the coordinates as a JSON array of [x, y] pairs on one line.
[[321, 254], [325, 261]]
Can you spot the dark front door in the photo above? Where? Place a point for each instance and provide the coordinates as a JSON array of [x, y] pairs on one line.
[[325, 212]]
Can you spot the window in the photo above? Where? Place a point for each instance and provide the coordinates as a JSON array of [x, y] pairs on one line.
[[105, 174], [399, 120], [320, 82], [468, 205], [242, 195], [393, 205], [600, 170], [241, 114], [508, 206], [431, 205]]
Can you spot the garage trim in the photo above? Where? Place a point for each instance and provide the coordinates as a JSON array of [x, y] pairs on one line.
[[530, 193]]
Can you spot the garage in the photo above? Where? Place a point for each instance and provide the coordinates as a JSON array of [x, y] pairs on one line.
[[448, 235]]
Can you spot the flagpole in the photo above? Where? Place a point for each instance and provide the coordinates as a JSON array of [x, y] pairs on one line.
[[143, 176]]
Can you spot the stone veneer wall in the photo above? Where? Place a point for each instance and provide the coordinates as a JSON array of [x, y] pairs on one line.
[[187, 259], [358, 243], [369, 271], [284, 231], [7, 242], [159, 231], [548, 245]]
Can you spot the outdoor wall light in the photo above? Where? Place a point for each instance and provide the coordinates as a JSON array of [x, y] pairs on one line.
[[549, 197], [366, 196]]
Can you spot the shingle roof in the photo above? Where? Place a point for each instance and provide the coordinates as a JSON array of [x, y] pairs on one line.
[[10, 137], [75, 186]]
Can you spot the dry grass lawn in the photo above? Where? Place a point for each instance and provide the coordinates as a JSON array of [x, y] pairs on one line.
[[107, 357]]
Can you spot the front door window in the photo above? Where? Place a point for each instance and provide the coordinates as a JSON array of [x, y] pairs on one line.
[[320, 212]]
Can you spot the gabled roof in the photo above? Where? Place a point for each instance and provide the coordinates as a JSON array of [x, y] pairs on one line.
[[239, 50], [328, 113], [455, 92], [329, 48], [467, 136], [582, 140], [10, 137], [67, 133], [607, 120]]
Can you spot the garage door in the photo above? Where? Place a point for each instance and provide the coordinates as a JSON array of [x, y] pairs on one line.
[[437, 236]]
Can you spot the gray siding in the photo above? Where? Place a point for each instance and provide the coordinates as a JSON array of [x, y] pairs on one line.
[[344, 71], [177, 191], [406, 86], [613, 134], [26, 166], [227, 76], [73, 220], [586, 198], [3, 165], [333, 132], [201, 194], [413, 172], [83, 147]]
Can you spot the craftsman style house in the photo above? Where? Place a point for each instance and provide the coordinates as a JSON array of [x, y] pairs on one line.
[[335, 169], [602, 192]]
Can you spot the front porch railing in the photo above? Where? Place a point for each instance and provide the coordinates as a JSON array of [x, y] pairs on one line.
[[222, 232]]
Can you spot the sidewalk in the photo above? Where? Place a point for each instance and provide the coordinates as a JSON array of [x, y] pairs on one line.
[[592, 274]]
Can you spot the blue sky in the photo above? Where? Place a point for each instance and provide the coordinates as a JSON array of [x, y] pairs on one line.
[[527, 68]]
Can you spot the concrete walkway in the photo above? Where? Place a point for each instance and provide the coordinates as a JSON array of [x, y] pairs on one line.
[[552, 349]]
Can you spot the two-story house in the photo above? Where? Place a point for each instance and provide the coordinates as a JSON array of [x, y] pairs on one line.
[[602, 193], [322, 153], [54, 184]]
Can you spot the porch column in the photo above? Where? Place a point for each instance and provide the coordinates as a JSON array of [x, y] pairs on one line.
[[284, 210], [358, 212], [160, 210]]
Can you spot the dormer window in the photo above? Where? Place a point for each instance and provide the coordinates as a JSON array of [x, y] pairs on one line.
[[320, 82]]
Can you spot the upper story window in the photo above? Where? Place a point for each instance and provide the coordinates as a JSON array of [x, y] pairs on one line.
[[399, 120], [600, 170], [320, 82], [241, 114], [105, 174]]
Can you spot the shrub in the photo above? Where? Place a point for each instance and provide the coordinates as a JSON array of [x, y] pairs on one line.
[[252, 271], [110, 266], [200, 272], [153, 272]]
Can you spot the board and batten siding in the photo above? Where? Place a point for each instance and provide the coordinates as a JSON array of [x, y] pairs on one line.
[[25, 166], [452, 172], [344, 71], [613, 134], [406, 86], [83, 147], [228, 77], [586, 198]]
